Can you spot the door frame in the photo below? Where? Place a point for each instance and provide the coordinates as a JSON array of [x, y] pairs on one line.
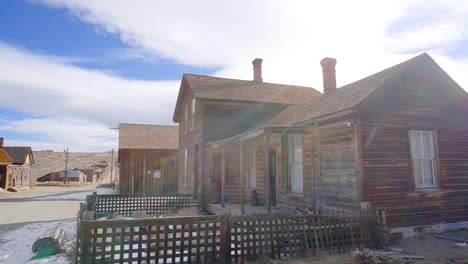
[[272, 175]]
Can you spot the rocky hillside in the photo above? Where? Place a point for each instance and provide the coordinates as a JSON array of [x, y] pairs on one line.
[[46, 162]]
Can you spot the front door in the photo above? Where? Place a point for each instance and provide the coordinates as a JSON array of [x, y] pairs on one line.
[[272, 170], [195, 170]]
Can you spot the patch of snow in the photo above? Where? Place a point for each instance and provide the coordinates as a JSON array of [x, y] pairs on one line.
[[16, 245], [462, 244]]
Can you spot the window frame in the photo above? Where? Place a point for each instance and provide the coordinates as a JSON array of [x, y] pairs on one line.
[[435, 160], [292, 162], [192, 117], [185, 176], [186, 119], [253, 164]]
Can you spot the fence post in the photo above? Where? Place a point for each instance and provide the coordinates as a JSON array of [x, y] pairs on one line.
[[225, 239], [382, 229]]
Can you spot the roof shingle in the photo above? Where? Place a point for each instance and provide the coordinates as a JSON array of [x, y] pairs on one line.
[[18, 155], [209, 87], [141, 136], [4, 157], [346, 97]]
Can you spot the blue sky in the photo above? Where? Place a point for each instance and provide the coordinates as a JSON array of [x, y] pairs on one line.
[[57, 32], [73, 69]]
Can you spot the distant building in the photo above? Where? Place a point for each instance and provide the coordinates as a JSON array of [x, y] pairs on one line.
[[74, 175], [15, 166], [147, 158]]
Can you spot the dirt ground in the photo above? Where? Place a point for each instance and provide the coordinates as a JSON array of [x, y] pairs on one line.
[[435, 251]]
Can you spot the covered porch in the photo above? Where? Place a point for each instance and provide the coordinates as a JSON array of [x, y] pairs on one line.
[[231, 166], [236, 209]]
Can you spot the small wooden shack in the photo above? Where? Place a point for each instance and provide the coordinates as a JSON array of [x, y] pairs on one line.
[[15, 166], [147, 158]]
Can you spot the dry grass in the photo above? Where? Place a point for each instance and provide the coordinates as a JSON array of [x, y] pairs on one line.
[[59, 184], [106, 185]]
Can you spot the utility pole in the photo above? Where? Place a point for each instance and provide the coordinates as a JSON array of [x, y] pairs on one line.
[[112, 165], [66, 165]]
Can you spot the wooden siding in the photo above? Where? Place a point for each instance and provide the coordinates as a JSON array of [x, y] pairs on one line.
[[134, 165], [422, 99], [224, 119], [188, 141], [337, 180]]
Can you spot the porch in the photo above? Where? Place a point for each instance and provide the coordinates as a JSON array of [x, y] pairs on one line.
[[236, 209]]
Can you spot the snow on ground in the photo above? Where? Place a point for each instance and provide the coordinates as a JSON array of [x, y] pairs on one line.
[[16, 245], [78, 196]]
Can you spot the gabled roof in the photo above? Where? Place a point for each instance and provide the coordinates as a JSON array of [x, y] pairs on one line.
[[346, 97], [216, 88], [141, 136], [4, 158], [18, 155]]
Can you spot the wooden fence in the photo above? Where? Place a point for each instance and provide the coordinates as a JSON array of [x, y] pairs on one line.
[[224, 238], [126, 204]]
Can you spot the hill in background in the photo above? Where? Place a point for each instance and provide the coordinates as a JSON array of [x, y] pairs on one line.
[[46, 162]]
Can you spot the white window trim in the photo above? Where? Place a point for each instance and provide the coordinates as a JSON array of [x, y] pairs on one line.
[[253, 165], [186, 119], [192, 120], [185, 178], [292, 162], [433, 160]]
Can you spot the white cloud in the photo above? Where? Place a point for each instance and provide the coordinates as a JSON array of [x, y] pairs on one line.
[[291, 37], [61, 133], [47, 86]]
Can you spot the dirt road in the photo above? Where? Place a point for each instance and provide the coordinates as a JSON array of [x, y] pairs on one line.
[[26, 215], [41, 204]]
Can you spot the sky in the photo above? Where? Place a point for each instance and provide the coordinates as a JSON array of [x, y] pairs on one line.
[[71, 70]]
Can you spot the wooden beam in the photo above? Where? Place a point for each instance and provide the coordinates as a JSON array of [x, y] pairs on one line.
[[241, 175], [359, 170], [319, 195], [266, 136]]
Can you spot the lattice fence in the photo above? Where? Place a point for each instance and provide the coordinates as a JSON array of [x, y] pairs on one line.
[[224, 238], [126, 204]]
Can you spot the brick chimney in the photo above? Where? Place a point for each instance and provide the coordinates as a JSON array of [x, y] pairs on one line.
[[257, 70], [2, 142], [329, 74]]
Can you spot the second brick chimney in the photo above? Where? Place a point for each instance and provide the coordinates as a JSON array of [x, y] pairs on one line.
[[2, 142], [329, 74], [257, 70]]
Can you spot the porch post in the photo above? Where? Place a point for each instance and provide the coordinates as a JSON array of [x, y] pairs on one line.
[[241, 176], [223, 175], [267, 169]]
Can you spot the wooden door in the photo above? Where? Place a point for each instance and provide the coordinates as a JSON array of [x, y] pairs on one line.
[[272, 171]]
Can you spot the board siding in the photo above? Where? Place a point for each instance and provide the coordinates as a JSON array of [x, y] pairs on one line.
[[422, 100]]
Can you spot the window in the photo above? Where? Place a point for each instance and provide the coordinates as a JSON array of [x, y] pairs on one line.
[[295, 163], [423, 157], [185, 119], [192, 122], [184, 180], [253, 165]]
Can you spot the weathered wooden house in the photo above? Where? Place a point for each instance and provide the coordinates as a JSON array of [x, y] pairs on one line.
[[147, 158], [396, 141], [211, 109], [16, 173]]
